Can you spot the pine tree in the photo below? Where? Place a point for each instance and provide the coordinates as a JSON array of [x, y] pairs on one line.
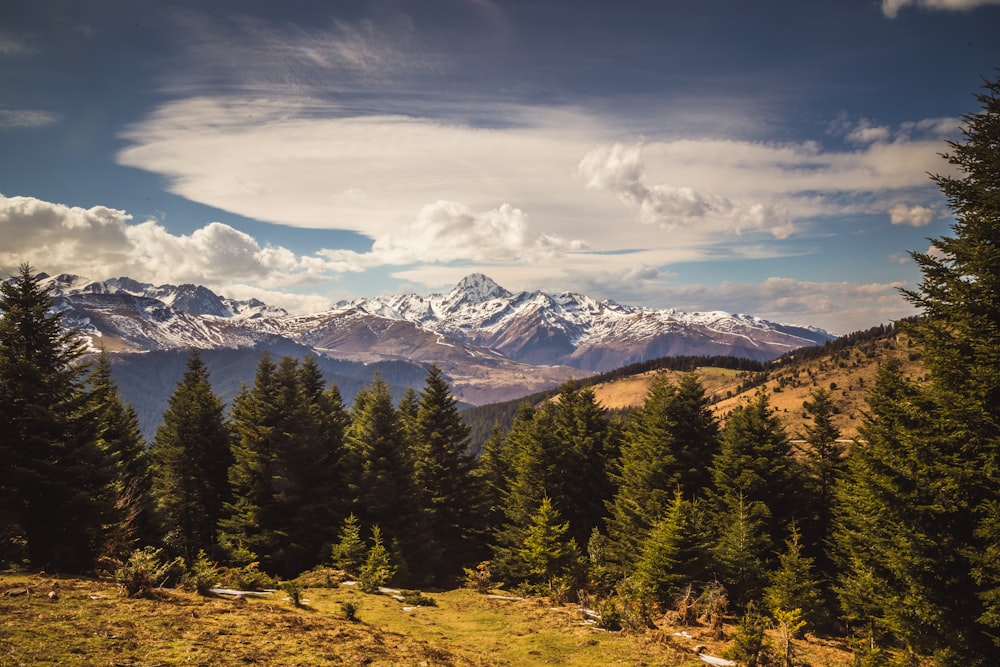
[[794, 586], [824, 466], [931, 461], [349, 551], [669, 444], [379, 473], [55, 491], [191, 459], [491, 476], [548, 553], [121, 439], [742, 548], [442, 471], [668, 557]]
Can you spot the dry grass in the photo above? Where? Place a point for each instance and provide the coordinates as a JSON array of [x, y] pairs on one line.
[[91, 624], [850, 375]]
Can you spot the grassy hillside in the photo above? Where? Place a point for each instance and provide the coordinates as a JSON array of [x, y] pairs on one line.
[[846, 367], [91, 624]]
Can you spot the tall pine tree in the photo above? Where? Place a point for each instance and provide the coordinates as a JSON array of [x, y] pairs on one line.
[[931, 462], [55, 491], [191, 460]]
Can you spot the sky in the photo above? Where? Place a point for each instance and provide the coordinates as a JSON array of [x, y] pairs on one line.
[[762, 157]]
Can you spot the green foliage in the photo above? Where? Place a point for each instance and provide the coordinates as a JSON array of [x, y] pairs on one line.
[[378, 569], [204, 574], [742, 547], [442, 467], [417, 599], [479, 578], [349, 552], [750, 646], [294, 589], [794, 586], [191, 458], [144, 571], [667, 554], [56, 490], [249, 577], [285, 472], [547, 553]]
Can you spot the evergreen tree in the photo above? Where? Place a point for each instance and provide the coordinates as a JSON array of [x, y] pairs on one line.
[[349, 552], [379, 473], [548, 553], [742, 548], [442, 470], [586, 443], [491, 476], [191, 459], [931, 462], [794, 586], [121, 439], [55, 491], [669, 444], [668, 557]]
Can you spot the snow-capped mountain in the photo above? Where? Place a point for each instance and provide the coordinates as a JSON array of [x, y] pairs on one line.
[[492, 343], [579, 331]]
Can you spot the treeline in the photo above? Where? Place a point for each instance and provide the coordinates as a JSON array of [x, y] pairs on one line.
[[482, 419]]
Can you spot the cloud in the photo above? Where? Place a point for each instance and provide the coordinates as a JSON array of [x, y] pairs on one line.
[[890, 8], [618, 169], [866, 133], [448, 231], [26, 118], [915, 216], [102, 242], [838, 307]]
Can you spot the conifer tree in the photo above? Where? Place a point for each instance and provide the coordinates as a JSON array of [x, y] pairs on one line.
[[793, 585], [349, 551], [668, 557], [931, 461], [548, 552], [55, 491], [669, 445], [743, 547], [442, 470], [379, 473], [191, 459], [121, 439], [491, 476]]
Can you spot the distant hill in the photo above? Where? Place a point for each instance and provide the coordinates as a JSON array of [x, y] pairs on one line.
[[846, 366]]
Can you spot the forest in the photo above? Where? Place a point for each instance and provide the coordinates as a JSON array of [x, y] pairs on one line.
[[893, 540]]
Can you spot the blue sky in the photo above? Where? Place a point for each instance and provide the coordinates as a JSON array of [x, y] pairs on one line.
[[761, 157]]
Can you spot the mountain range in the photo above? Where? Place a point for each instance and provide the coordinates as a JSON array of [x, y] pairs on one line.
[[492, 344]]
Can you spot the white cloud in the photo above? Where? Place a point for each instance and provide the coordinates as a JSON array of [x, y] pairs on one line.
[[866, 133], [618, 169], [838, 307], [101, 242], [891, 7], [27, 118], [915, 216]]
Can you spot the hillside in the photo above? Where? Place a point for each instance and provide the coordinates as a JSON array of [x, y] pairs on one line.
[[846, 367]]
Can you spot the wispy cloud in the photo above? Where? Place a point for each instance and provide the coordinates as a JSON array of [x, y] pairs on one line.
[[26, 118], [891, 7]]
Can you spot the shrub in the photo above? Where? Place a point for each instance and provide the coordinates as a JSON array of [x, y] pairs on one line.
[[350, 610], [144, 571], [418, 599], [294, 589], [246, 578], [204, 574], [479, 579]]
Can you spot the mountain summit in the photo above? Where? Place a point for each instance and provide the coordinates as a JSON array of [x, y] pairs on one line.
[[475, 289]]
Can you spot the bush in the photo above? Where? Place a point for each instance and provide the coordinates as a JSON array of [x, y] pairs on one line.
[[479, 579], [750, 646], [350, 610], [294, 590], [144, 571], [246, 578], [204, 574], [417, 599]]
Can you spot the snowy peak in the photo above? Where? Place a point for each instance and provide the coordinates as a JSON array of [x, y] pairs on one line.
[[475, 289]]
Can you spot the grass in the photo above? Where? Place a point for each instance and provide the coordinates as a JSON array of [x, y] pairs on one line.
[[92, 624]]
